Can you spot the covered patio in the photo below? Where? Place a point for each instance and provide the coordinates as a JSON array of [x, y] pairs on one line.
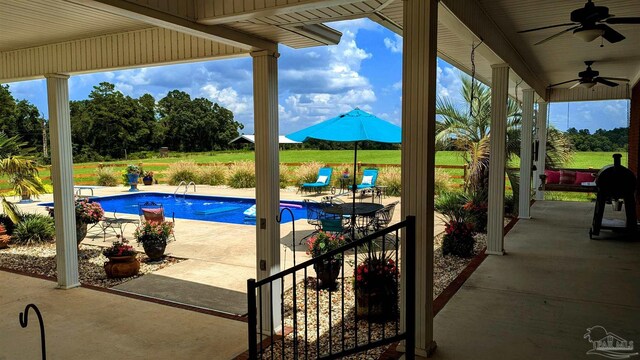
[[85, 36]]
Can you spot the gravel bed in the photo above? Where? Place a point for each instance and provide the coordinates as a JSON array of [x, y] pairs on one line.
[[41, 260], [446, 268]]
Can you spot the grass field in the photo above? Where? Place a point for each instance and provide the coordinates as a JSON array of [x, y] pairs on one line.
[[84, 171]]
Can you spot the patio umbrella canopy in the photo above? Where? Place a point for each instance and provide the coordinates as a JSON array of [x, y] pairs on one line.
[[354, 126]]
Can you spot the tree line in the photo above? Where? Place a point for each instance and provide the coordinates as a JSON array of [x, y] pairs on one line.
[[601, 140]]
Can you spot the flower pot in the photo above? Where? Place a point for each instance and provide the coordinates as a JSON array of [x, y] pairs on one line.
[[375, 306], [81, 231], [154, 251], [122, 266], [147, 180], [327, 272], [133, 181]]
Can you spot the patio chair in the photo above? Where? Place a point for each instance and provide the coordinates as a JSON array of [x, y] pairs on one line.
[[154, 212], [369, 178], [383, 217], [314, 213], [322, 183]]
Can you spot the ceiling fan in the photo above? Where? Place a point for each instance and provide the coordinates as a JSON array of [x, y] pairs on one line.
[[589, 23], [589, 78]]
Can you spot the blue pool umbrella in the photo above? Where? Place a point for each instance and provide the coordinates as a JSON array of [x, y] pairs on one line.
[[354, 126]]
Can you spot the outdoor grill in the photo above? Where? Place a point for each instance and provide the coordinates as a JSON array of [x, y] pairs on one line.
[[615, 183]]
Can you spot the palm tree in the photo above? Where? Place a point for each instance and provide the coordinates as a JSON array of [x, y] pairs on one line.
[[21, 168], [468, 127]]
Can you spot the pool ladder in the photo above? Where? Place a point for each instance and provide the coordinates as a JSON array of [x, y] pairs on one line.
[[186, 188]]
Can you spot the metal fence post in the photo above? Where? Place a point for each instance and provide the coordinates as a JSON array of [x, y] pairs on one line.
[[253, 315]]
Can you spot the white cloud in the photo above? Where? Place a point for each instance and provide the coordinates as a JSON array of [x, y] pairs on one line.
[[395, 44], [229, 98]]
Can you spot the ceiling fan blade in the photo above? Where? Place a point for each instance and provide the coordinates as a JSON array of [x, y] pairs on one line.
[[558, 34], [622, 20], [562, 83], [611, 35], [605, 82], [575, 85], [616, 79], [546, 27]]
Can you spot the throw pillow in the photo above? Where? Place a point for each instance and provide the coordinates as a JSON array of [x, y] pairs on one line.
[[366, 180], [567, 177], [553, 176], [322, 179]]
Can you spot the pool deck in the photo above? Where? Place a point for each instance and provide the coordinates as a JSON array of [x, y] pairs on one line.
[[219, 257]]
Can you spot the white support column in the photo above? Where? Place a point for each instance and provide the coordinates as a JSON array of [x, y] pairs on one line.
[[418, 154], [526, 144], [499, 96], [541, 136], [265, 102], [62, 177]]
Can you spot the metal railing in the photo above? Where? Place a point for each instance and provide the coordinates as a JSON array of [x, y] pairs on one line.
[[359, 306]]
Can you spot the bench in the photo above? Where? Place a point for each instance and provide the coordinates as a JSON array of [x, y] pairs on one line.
[[583, 187]]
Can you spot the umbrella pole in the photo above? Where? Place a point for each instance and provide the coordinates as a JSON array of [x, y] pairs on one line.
[[353, 188]]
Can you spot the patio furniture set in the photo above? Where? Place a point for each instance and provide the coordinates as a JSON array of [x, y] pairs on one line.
[[367, 186], [148, 211]]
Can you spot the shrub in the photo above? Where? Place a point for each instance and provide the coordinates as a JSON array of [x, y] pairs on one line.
[[186, 171], [307, 173], [285, 176], [107, 177], [477, 207], [242, 175], [391, 177], [458, 239], [442, 181], [212, 175], [34, 229]]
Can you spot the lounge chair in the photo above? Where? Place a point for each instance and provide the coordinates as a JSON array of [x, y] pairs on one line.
[[322, 183], [369, 178]]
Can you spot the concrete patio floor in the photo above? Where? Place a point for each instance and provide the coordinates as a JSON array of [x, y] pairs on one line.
[[88, 324], [537, 301], [219, 257]]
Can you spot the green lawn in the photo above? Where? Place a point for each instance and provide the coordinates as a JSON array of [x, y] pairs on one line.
[[579, 160]]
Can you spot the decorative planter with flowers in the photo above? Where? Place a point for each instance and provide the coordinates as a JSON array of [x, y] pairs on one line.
[[147, 177], [327, 271], [122, 261], [376, 287], [154, 237], [87, 212], [458, 239], [4, 238], [133, 175]]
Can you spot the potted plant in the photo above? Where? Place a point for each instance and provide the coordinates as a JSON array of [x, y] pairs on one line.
[[147, 177], [87, 212], [4, 238], [154, 236], [376, 286], [122, 260], [133, 174], [327, 270]]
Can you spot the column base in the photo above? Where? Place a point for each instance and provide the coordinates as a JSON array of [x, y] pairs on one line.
[[524, 217], [490, 252], [67, 287], [419, 352]]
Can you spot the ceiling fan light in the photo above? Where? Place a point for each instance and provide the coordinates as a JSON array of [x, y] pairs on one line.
[[587, 84], [588, 35]]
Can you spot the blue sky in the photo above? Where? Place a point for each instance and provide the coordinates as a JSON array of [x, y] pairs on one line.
[[364, 70]]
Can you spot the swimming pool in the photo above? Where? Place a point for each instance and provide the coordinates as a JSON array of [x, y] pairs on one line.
[[195, 207]]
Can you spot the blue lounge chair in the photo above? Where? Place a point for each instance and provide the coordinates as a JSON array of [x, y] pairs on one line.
[[369, 178], [322, 183]]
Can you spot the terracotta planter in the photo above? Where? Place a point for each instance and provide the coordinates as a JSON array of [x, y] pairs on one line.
[[327, 272], [147, 180], [155, 252], [81, 231], [122, 266]]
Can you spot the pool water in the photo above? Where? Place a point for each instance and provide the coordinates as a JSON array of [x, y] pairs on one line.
[[195, 207]]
